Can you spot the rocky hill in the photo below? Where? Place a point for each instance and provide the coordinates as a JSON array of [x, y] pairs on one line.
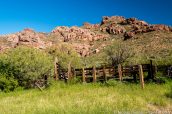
[[92, 38]]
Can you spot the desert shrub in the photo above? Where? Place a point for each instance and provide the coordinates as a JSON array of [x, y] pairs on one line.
[[26, 65], [118, 52], [65, 55], [94, 60], [7, 83]]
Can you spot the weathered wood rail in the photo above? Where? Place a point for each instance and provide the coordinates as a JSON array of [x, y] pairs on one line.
[[165, 69], [133, 73]]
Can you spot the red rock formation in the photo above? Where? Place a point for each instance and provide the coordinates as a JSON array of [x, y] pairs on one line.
[[134, 21], [91, 26], [114, 19], [171, 29], [113, 29], [27, 37], [75, 33], [128, 35], [159, 27]]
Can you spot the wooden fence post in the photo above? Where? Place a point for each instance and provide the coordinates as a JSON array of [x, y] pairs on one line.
[[104, 74], [151, 70], [83, 75], [94, 74], [46, 79], [120, 72], [141, 76], [73, 72], [69, 73], [56, 77], [133, 73]]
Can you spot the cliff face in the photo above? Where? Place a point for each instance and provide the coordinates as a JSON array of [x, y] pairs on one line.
[[89, 38]]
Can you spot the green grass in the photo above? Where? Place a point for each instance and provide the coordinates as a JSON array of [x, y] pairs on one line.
[[88, 99]]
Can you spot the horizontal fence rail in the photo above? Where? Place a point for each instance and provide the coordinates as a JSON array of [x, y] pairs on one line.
[[93, 74]]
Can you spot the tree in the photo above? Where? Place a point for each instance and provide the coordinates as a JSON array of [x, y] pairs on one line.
[[65, 55], [26, 65], [118, 52]]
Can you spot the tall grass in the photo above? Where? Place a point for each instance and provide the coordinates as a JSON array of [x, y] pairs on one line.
[[96, 98]]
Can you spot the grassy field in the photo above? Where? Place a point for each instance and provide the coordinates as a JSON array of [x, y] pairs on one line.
[[97, 98]]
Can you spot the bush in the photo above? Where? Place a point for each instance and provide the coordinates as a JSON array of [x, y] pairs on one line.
[[65, 55], [26, 65], [94, 60], [7, 84], [118, 52]]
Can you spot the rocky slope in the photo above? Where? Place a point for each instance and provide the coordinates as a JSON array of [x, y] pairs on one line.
[[90, 38]]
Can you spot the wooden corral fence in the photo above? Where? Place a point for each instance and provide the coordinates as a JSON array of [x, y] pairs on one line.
[[169, 71], [132, 73], [166, 70]]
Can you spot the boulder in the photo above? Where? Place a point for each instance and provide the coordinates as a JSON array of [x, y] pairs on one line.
[[114, 19], [128, 35], [115, 29]]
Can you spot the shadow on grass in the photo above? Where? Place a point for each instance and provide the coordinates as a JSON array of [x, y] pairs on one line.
[[169, 95]]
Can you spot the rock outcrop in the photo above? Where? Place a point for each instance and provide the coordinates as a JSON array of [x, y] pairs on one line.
[[159, 27], [134, 21], [128, 35], [91, 26], [113, 29], [28, 37], [75, 33], [113, 19]]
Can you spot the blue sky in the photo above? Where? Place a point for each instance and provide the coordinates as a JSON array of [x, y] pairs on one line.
[[44, 15]]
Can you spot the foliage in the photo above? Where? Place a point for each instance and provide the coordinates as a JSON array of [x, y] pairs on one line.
[[94, 60], [26, 65], [65, 55], [118, 52], [152, 45], [7, 83]]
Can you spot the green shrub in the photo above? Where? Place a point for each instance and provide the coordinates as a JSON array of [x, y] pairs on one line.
[[7, 84], [26, 65], [118, 52], [65, 55], [94, 60]]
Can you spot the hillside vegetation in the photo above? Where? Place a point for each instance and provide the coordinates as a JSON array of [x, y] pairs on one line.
[[113, 97]]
